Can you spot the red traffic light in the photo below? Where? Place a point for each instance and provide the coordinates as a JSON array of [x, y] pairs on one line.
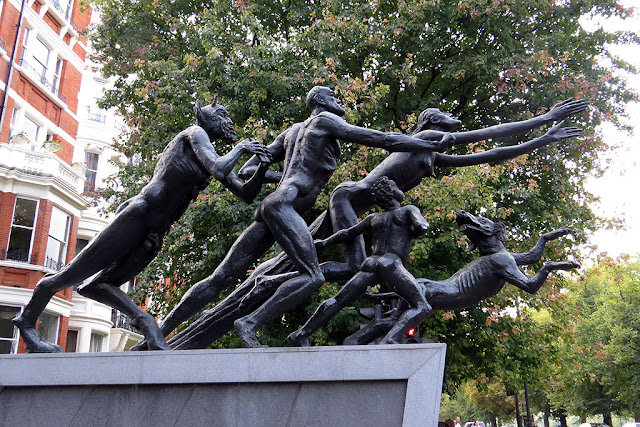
[[411, 332]]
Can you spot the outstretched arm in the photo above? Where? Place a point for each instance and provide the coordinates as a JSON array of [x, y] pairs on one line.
[[346, 234], [277, 153], [535, 254], [221, 167], [560, 111], [554, 134], [374, 138]]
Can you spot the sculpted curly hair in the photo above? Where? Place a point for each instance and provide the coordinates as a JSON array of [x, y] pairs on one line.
[[382, 191]]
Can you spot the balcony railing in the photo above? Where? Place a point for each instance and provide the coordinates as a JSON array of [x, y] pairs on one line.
[[121, 321], [53, 264], [59, 8], [98, 117], [36, 74], [18, 255], [41, 163]]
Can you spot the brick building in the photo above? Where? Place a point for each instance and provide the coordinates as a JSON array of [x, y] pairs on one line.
[[54, 150]]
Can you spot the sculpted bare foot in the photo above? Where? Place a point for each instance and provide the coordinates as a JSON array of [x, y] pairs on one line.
[[30, 335], [141, 346], [247, 334], [297, 339], [151, 331]]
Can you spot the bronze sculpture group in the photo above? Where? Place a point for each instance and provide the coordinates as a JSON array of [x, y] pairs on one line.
[[310, 152]]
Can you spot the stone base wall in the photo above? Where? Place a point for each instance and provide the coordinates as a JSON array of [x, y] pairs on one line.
[[319, 386]]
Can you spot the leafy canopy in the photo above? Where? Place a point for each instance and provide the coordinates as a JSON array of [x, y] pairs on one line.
[[486, 61]]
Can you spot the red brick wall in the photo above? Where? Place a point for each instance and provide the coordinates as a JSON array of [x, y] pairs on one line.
[[66, 153], [62, 333], [80, 51], [36, 6], [7, 201], [8, 22], [70, 82], [51, 22], [81, 15]]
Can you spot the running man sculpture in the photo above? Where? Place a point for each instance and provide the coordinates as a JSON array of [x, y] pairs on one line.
[[134, 237]]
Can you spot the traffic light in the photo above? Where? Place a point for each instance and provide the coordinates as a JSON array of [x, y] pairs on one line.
[[412, 336]]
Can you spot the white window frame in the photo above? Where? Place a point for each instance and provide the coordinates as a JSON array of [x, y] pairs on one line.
[[57, 74], [95, 333], [16, 332], [45, 64], [69, 10], [56, 329], [33, 229], [95, 171], [63, 245], [14, 120]]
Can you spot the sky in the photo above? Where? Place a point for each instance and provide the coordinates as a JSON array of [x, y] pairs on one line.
[[618, 188]]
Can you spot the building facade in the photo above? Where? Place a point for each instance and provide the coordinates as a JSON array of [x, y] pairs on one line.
[[55, 147]]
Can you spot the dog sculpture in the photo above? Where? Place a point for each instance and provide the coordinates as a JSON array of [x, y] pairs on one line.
[[482, 278]]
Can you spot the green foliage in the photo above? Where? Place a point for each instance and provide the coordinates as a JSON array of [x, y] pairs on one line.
[[486, 61], [602, 363]]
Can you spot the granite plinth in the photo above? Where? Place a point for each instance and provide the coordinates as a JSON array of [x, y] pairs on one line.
[[318, 386]]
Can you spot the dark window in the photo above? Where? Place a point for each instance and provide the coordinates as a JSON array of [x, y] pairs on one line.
[[24, 218]]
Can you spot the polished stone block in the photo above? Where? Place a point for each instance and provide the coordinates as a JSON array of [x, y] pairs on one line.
[[346, 386]]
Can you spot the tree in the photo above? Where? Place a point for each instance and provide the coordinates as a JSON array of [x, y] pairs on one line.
[[487, 61], [604, 367]]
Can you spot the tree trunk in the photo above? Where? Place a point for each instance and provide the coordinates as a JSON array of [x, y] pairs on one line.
[[606, 418], [547, 410], [563, 420]]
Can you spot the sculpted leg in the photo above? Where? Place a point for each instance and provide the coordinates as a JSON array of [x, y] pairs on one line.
[[105, 289], [394, 274], [108, 247], [343, 215], [110, 294], [251, 244], [350, 292], [292, 234]]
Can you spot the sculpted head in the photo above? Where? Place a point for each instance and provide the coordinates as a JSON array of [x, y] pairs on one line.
[[215, 120], [480, 230], [386, 194], [433, 118], [323, 98]]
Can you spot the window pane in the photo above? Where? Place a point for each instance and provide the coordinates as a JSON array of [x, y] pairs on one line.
[[80, 245], [72, 341], [95, 346], [19, 244], [41, 55], [31, 128], [59, 227], [48, 327], [6, 347], [6, 327], [92, 160], [55, 254], [25, 212]]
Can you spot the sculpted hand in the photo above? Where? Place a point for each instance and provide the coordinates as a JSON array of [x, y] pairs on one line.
[[254, 147], [566, 108], [447, 140], [558, 133]]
